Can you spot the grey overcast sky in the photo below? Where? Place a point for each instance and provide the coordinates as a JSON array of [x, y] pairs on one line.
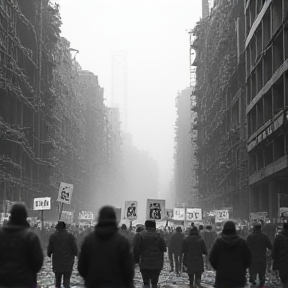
[[154, 35]]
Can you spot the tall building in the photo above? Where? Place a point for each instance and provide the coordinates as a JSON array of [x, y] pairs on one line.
[[220, 107], [119, 85], [266, 52], [184, 158]]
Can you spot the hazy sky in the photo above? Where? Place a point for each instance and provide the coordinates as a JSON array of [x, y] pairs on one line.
[[154, 34]]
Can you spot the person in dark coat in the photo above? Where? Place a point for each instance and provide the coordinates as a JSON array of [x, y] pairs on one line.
[[209, 236], [106, 258], [63, 249], [21, 254], [175, 248], [149, 253], [230, 256], [258, 243], [280, 255], [193, 248]]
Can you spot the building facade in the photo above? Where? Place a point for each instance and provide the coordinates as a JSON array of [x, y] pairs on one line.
[[220, 107], [266, 52]]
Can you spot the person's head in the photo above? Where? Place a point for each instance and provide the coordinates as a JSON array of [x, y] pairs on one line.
[[193, 231], [19, 214], [201, 227], [209, 227], [60, 225], [229, 228], [123, 227], [140, 228], [179, 229], [192, 224], [285, 226], [257, 227], [150, 224], [107, 216]]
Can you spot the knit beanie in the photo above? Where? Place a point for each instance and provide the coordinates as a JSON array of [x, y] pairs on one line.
[[229, 228], [18, 214], [107, 215], [150, 224]]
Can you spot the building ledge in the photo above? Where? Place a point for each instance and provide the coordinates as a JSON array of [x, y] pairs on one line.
[[269, 170], [278, 73]]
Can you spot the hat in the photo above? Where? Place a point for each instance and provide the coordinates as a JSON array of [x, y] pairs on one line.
[[229, 228], [179, 229], [107, 215], [19, 211], [124, 227], [257, 226], [60, 225], [150, 224]]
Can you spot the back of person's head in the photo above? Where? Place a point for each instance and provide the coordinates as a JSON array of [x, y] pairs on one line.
[[107, 215], [285, 226], [179, 229], [257, 227], [229, 228], [150, 224], [192, 224], [19, 214], [209, 227], [60, 225], [140, 228], [123, 227], [201, 227], [193, 231]]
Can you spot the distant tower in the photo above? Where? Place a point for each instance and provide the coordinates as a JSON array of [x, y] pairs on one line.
[[119, 85]]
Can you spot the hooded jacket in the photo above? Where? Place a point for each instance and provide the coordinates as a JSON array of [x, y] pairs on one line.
[[63, 248], [105, 259], [193, 248], [230, 256], [21, 256], [280, 251], [149, 248], [258, 243]]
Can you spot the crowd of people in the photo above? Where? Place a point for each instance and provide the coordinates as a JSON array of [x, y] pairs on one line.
[[107, 255]]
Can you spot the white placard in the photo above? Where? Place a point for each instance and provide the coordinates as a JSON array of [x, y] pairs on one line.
[[42, 203], [169, 214], [221, 215], [179, 205], [179, 214], [155, 209], [193, 214], [130, 210], [67, 217], [65, 193], [86, 215]]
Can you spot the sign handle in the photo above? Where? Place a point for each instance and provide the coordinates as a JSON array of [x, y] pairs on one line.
[[42, 220], [60, 211]]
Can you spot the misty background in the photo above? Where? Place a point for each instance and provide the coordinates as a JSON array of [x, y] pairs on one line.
[[154, 37]]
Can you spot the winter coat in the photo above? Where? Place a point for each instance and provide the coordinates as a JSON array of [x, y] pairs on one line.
[[149, 250], [63, 248], [209, 238], [258, 243], [105, 259], [230, 256], [21, 256], [193, 248], [176, 243], [280, 252]]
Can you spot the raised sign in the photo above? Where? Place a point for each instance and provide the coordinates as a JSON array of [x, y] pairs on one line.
[[42, 203]]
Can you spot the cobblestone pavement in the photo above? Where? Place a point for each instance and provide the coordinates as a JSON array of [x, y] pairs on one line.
[[167, 280]]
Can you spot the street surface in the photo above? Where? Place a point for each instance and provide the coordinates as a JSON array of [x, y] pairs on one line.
[[167, 280]]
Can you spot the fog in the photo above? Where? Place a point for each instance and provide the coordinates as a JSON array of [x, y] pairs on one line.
[[154, 36]]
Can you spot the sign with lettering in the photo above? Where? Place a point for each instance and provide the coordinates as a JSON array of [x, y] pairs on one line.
[[179, 214], [130, 210], [65, 193], [169, 214], [42, 203], [67, 217], [85, 215], [193, 214], [155, 209], [221, 215], [179, 205]]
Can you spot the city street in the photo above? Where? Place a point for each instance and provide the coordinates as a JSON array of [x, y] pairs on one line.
[[46, 278]]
